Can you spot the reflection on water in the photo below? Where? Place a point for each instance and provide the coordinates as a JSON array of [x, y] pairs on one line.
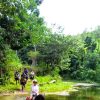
[[56, 97], [82, 94], [23, 97], [86, 94]]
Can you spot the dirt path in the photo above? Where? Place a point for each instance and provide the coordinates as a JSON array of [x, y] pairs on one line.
[[14, 93]]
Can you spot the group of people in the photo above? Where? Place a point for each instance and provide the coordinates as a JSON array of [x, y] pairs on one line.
[[22, 79]]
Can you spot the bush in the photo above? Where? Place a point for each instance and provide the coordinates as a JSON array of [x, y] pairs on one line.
[[84, 74], [12, 61], [97, 77]]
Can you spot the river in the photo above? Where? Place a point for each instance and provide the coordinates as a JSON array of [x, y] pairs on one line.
[[84, 93]]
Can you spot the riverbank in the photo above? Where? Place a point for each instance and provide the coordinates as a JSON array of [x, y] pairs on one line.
[[51, 88], [47, 84], [66, 92], [88, 93]]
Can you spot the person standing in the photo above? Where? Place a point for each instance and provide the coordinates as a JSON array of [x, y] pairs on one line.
[[32, 74], [17, 77]]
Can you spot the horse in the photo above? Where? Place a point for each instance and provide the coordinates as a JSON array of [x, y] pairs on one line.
[[23, 81], [38, 97]]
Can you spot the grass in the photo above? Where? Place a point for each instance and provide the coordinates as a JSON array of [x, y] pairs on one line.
[[9, 88], [59, 85], [55, 87]]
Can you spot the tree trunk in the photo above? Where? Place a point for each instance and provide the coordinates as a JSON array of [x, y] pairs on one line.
[[33, 62], [0, 72]]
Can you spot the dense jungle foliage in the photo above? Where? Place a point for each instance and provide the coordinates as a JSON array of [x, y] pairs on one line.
[[25, 40]]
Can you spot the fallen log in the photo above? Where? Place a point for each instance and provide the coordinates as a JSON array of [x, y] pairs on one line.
[[52, 81]]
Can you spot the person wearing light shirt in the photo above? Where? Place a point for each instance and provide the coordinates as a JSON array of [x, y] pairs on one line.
[[34, 89]]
